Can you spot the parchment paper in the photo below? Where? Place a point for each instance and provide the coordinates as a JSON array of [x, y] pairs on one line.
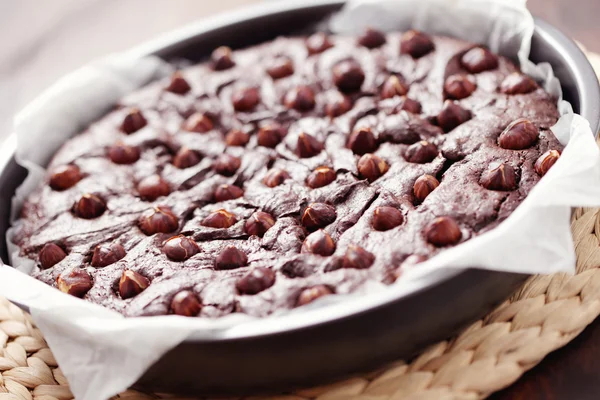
[[101, 353]]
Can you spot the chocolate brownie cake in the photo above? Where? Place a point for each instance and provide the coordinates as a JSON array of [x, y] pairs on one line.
[[268, 177]]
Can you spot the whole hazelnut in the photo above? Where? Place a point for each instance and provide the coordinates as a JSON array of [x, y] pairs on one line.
[[106, 254], [386, 218], [50, 255], [236, 137], [519, 135], [421, 152], [416, 44], [133, 121], [318, 43], [64, 177], [258, 224], [337, 105], [186, 303], [89, 206], [459, 86], [321, 176], [300, 98], [517, 83], [220, 219], [546, 161], [178, 84], [180, 248], [452, 115], [245, 99], [275, 177], [499, 176], [307, 146], [371, 167], [280, 67], [132, 283], [320, 243], [443, 231], [158, 219], [348, 76], [362, 141], [371, 38], [424, 185], [478, 60], [231, 258], [227, 165], [270, 135], [228, 192], [121, 153], [199, 123], [255, 281], [75, 282], [221, 58], [311, 294], [358, 258], [186, 158], [392, 87], [318, 215], [152, 187], [409, 105]]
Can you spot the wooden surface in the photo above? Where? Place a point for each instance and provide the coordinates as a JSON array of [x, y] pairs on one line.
[[41, 41]]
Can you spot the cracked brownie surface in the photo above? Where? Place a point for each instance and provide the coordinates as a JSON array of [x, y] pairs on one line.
[[268, 177]]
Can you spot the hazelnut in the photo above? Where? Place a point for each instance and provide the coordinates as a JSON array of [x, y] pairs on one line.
[[245, 99], [198, 122], [64, 177], [255, 281], [452, 115], [226, 165], [180, 248], [231, 258], [421, 152], [178, 84], [546, 161], [270, 135], [220, 219], [348, 76], [386, 218], [337, 105], [519, 135], [121, 153], [236, 137], [392, 87], [106, 254], [75, 282], [362, 141], [280, 67], [301, 98], [186, 158], [152, 187], [320, 243], [158, 219], [517, 83], [131, 284], [258, 224], [443, 231], [186, 303], [459, 86], [318, 43], [499, 176], [318, 215], [50, 255], [307, 146], [416, 44], [358, 258], [478, 60], [89, 206], [133, 121], [424, 185], [409, 105], [275, 177], [371, 167], [221, 58], [321, 176], [311, 294], [371, 38], [228, 192]]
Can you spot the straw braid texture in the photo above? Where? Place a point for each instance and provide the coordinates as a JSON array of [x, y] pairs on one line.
[[544, 315]]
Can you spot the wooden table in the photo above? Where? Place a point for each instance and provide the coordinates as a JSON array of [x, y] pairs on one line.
[[41, 41]]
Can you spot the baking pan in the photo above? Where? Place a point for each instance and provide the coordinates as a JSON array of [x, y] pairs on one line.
[[329, 346]]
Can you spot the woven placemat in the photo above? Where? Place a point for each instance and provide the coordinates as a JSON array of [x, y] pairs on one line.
[[544, 315]]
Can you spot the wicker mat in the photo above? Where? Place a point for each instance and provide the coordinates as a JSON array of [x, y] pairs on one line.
[[544, 315]]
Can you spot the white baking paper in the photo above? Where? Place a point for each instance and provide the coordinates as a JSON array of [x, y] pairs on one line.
[[101, 353]]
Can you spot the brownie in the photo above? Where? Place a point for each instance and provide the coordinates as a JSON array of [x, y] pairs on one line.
[[267, 177]]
